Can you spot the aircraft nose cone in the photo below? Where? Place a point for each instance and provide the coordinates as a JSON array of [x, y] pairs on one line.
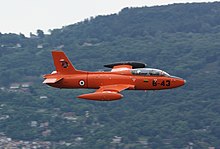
[[182, 82], [177, 81]]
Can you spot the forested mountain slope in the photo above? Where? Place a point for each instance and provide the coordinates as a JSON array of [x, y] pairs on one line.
[[182, 39]]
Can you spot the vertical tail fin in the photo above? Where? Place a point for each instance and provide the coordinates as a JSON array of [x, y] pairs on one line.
[[62, 63]]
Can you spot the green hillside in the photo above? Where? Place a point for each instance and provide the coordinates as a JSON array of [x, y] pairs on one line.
[[182, 39]]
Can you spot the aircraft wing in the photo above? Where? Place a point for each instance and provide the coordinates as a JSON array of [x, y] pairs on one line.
[[119, 66], [108, 92]]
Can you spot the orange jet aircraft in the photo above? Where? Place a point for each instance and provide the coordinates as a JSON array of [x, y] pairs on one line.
[[124, 75]]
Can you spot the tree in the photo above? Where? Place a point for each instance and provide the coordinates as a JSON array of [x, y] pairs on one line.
[[40, 33]]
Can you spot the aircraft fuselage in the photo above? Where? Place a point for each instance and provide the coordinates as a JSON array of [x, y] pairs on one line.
[[93, 80]]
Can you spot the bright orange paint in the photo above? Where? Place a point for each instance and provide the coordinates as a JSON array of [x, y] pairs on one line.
[[123, 76]]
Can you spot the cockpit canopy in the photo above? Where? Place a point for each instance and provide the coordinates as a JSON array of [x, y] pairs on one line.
[[149, 72]]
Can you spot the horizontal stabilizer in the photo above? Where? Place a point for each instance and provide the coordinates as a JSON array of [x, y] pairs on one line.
[[52, 80]]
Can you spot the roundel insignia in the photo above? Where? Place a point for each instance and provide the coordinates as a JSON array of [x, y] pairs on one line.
[[81, 82]]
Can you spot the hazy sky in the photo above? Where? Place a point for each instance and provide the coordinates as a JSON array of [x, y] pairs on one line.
[[25, 16]]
